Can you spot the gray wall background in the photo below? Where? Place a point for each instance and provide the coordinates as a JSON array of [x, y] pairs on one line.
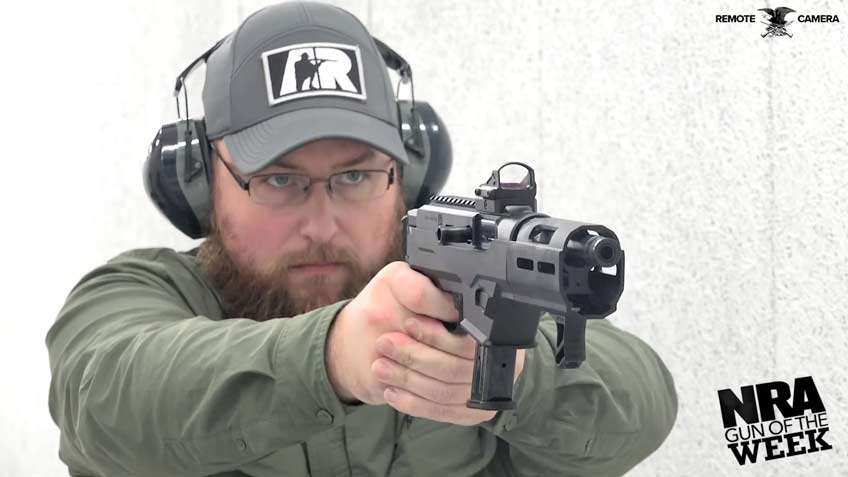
[[717, 156]]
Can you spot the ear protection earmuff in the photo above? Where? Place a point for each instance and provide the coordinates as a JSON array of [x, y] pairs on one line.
[[177, 171]]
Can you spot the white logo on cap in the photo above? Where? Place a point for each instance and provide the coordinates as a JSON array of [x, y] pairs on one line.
[[313, 69]]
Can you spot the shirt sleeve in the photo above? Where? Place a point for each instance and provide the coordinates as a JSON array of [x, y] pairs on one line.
[[599, 419], [142, 386]]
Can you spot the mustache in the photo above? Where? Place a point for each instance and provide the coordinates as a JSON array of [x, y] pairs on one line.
[[321, 253]]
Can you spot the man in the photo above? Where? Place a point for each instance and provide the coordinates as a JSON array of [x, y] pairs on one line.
[[294, 342]]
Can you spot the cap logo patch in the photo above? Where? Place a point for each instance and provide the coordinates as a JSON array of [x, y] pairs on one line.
[[313, 69]]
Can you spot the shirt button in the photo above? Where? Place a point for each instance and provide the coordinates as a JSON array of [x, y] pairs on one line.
[[324, 416], [241, 445]]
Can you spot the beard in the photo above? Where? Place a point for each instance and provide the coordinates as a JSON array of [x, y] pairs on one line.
[[246, 292]]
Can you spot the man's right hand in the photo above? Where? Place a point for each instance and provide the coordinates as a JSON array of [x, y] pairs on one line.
[[395, 294]]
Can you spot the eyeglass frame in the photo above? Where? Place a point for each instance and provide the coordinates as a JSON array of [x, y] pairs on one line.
[[245, 184]]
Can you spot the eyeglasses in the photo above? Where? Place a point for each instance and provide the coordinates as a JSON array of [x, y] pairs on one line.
[[284, 189]]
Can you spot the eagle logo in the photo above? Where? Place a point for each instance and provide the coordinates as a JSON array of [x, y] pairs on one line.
[[776, 21]]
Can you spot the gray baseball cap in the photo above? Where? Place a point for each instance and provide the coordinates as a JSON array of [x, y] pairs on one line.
[[293, 73]]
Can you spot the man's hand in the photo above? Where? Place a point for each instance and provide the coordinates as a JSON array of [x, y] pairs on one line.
[[388, 346]]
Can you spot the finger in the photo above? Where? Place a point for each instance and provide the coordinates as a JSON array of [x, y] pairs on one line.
[[433, 333], [393, 374], [437, 364], [417, 293], [409, 403], [520, 356]]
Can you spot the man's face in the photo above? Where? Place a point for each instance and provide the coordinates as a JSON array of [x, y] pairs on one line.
[[255, 253]]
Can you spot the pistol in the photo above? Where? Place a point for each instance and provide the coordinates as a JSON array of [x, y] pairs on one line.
[[505, 264]]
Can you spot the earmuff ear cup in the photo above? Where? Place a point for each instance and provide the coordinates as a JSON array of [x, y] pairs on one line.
[[177, 178], [429, 150]]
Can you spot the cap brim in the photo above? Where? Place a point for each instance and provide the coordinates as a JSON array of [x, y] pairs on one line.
[[260, 145]]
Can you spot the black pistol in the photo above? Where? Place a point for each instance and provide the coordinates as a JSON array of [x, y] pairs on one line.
[[506, 264]]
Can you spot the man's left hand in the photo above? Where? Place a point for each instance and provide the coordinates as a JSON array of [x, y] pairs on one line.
[[429, 370]]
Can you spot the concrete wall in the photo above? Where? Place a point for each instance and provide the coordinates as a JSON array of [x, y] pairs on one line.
[[717, 156]]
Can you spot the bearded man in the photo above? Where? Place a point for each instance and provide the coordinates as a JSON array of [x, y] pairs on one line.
[[294, 341]]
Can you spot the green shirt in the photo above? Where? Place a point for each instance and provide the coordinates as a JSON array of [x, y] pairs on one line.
[[149, 379]]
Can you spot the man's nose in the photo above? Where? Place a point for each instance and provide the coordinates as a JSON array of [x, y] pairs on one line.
[[320, 223]]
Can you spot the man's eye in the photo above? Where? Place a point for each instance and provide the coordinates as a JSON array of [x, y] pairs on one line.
[[279, 180], [353, 177]]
